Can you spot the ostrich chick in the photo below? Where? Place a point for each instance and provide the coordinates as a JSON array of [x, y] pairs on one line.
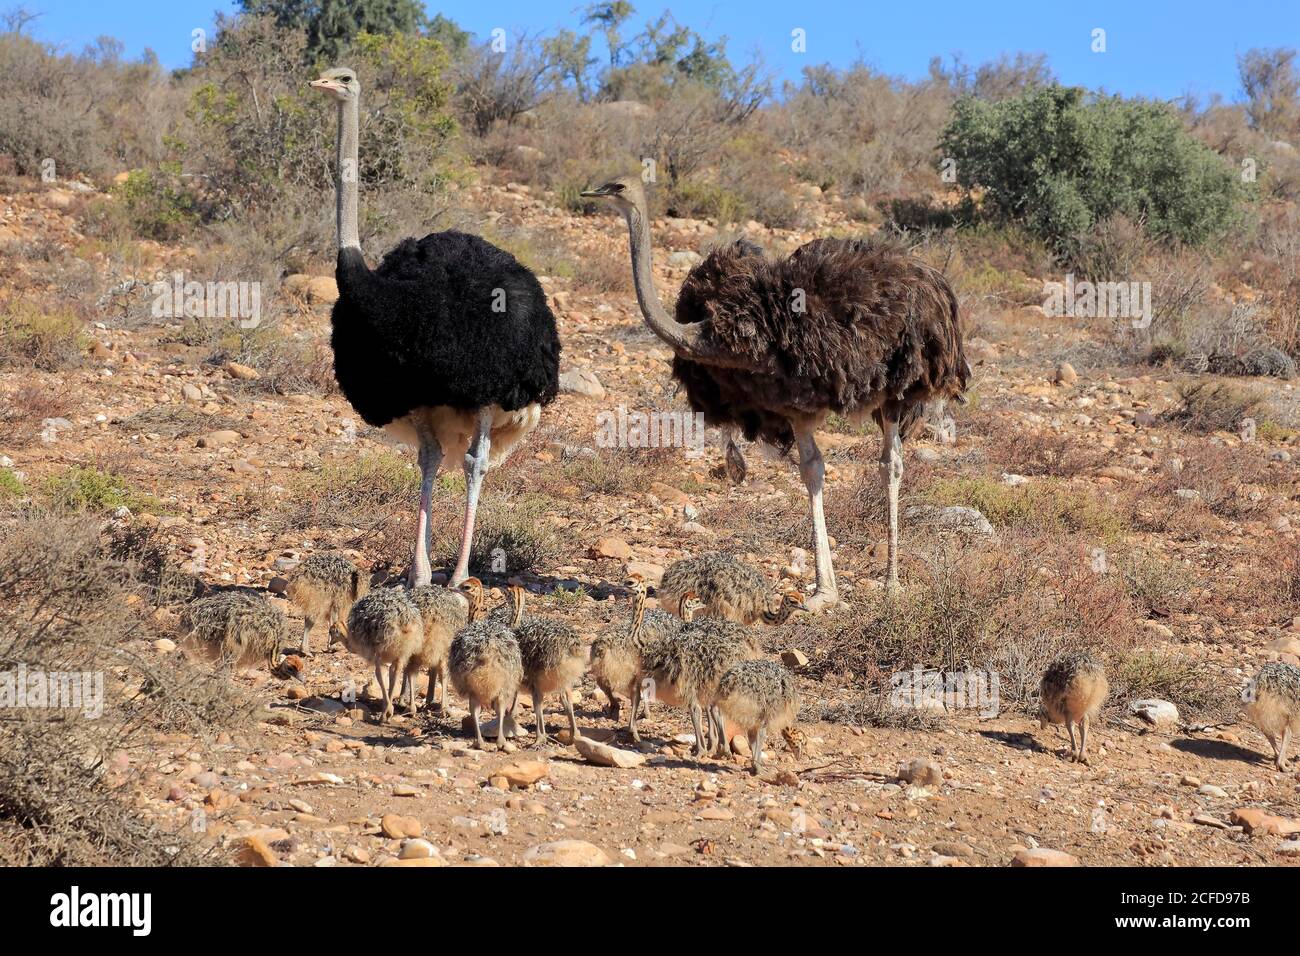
[[1274, 706], [758, 696], [554, 659], [486, 668], [616, 655], [324, 587], [443, 612], [384, 628], [1073, 690], [687, 668], [235, 627], [728, 588]]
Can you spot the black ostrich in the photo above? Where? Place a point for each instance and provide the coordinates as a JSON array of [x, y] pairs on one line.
[[449, 345], [770, 347]]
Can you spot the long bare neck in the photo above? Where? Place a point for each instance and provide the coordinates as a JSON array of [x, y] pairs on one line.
[[684, 339], [345, 175]]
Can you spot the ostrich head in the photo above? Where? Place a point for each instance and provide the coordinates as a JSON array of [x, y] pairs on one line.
[[339, 83], [625, 192], [690, 606], [789, 604], [472, 588], [635, 583]]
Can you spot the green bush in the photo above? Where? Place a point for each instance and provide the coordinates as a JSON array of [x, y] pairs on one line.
[[88, 489], [1060, 160]]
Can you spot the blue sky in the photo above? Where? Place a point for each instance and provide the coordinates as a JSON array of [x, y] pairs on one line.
[[1157, 48]]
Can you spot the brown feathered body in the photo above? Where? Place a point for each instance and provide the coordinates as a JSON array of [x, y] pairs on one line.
[[486, 666], [1274, 706], [443, 612], [1074, 687], [688, 666], [760, 698], [616, 655], [842, 325], [324, 587], [384, 628], [236, 627], [726, 586], [554, 657]]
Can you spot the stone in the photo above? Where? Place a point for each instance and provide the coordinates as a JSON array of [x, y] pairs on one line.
[[604, 755], [191, 392], [566, 853], [794, 658], [615, 548], [1065, 374], [417, 850], [1041, 856], [397, 827], [952, 848], [652, 574], [220, 438], [317, 290], [1158, 713], [956, 518], [522, 774], [1254, 820], [253, 851], [921, 773], [244, 373], [581, 381]]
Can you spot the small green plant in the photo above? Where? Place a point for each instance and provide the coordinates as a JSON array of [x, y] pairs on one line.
[[156, 202], [88, 489], [1212, 405], [10, 485]]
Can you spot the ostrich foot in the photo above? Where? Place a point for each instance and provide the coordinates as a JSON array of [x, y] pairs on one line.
[[822, 599]]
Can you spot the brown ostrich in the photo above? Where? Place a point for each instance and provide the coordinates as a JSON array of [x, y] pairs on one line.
[[770, 347]]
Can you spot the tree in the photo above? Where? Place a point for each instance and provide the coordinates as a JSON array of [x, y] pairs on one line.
[[609, 19], [1270, 82], [1060, 161], [332, 25]]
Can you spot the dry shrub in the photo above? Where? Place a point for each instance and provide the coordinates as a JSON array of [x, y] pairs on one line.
[[1156, 585], [1044, 452], [64, 610], [511, 536], [1008, 610], [35, 338], [23, 410], [176, 421], [1210, 405], [1226, 480], [1046, 505], [604, 272], [360, 492], [1188, 683]]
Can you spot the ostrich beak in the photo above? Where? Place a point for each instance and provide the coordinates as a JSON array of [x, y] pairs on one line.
[[595, 193], [325, 84]]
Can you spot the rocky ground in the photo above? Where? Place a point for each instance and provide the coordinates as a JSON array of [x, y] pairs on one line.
[[318, 783]]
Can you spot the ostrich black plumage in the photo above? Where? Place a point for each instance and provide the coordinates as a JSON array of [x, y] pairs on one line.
[[771, 346], [449, 345]]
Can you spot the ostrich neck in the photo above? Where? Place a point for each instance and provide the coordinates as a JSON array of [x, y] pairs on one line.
[[656, 316], [345, 175], [518, 617], [684, 339], [638, 616]]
